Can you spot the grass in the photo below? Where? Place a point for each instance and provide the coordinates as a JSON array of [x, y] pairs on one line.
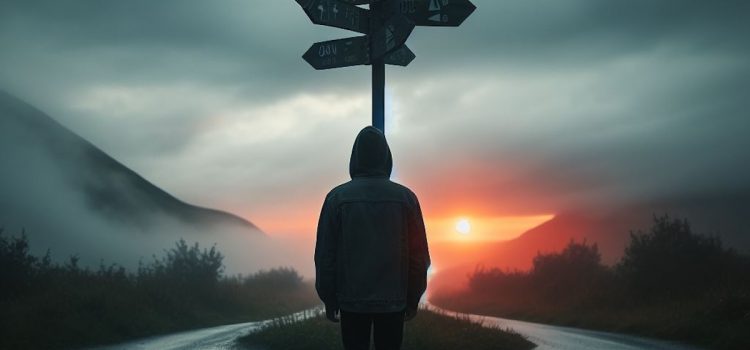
[[47, 305], [687, 321], [430, 330]]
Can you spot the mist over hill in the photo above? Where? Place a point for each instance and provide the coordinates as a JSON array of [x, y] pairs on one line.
[[608, 226], [74, 199]]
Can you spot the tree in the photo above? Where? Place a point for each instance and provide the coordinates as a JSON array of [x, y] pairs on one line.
[[17, 265], [185, 267], [577, 268], [670, 260]]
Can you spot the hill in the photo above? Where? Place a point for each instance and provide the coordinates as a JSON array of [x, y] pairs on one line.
[[722, 215], [73, 198]]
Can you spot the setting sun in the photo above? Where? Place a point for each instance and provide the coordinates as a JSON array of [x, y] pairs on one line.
[[463, 226]]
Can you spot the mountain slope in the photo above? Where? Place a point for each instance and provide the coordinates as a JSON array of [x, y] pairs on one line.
[[73, 198], [109, 186], [724, 215]]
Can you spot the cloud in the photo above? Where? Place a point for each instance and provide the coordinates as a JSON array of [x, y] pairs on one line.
[[528, 107]]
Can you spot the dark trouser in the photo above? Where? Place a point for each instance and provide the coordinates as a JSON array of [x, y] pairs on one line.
[[387, 329]]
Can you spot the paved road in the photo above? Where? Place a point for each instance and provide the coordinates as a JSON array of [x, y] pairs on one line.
[[214, 338], [566, 338], [546, 337], [221, 337]]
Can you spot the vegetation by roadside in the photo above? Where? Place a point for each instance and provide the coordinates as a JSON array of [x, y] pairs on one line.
[[46, 305], [671, 283], [430, 330]]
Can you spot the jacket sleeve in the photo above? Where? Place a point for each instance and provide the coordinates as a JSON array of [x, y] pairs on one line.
[[326, 254], [419, 257]]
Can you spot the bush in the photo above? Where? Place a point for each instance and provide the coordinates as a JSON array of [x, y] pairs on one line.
[[671, 261], [578, 267], [275, 279], [48, 305], [17, 265]]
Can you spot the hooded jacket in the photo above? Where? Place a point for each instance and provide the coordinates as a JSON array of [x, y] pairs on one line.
[[371, 251]]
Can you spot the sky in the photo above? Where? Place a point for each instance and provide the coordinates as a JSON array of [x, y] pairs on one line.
[[531, 107]]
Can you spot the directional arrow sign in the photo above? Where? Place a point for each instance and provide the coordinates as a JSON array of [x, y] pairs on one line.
[[401, 57], [335, 13], [338, 53], [440, 13], [386, 25], [391, 36]]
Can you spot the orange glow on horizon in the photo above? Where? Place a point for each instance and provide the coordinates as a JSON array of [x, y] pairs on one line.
[[455, 228], [487, 228], [458, 228]]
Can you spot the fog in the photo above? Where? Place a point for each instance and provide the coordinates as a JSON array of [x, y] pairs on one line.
[[528, 108], [46, 193]]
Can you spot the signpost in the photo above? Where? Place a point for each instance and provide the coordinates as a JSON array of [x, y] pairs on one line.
[[338, 53], [400, 57], [387, 25], [337, 13], [437, 13], [390, 36]]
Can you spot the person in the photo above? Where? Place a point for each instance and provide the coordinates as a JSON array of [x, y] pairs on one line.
[[371, 254]]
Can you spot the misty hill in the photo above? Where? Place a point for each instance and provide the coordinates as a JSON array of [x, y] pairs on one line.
[[726, 216], [109, 187], [70, 196]]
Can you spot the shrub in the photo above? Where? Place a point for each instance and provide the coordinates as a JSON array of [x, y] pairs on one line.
[[670, 261], [17, 265], [50, 305]]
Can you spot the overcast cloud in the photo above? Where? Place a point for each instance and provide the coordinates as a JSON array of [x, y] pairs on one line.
[[529, 107]]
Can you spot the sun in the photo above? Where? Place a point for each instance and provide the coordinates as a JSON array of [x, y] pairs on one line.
[[463, 226]]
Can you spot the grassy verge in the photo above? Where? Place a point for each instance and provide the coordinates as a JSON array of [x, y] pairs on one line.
[[46, 305], [683, 321], [430, 330]]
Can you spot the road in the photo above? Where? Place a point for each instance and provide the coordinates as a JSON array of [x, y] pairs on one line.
[[214, 338], [548, 337], [545, 336]]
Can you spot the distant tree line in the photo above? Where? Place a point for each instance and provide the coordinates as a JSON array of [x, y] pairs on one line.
[[51, 305], [670, 283]]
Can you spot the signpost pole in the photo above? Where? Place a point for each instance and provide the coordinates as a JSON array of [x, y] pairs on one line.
[[378, 72], [378, 95], [386, 26]]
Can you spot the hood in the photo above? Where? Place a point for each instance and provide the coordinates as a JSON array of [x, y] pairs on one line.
[[371, 156]]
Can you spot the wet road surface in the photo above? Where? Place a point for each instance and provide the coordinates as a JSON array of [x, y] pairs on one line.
[[545, 336]]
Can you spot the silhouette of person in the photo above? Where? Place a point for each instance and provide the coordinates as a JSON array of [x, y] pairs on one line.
[[371, 254]]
